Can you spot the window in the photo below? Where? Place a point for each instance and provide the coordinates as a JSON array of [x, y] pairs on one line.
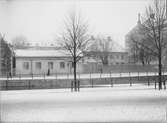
[[122, 57], [72, 64], [26, 65], [50, 65], [38, 65], [117, 56], [62, 65], [111, 56]]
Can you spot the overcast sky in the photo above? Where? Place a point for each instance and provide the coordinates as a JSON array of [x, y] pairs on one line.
[[42, 20]]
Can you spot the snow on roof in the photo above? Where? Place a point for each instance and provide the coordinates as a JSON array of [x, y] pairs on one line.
[[41, 53]]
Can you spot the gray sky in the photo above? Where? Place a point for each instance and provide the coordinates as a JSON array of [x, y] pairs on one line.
[[42, 20]]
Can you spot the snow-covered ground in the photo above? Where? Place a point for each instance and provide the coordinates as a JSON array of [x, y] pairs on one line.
[[120, 103]]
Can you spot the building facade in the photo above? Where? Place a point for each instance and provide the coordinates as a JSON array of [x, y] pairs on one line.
[[106, 51], [47, 62], [114, 58]]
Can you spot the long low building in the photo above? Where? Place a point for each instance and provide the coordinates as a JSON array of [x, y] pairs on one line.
[[113, 57], [32, 61]]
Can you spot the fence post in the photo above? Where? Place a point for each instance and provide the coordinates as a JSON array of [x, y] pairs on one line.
[[130, 79], [148, 79], [78, 81], [90, 77], [7, 76], [92, 83], [56, 75], [32, 75], [164, 84], [78, 85], [29, 84], [6, 84], [164, 81], [72, 86], [44, 76], [155, 84], [111, 79], [20, 76], [68, 75]]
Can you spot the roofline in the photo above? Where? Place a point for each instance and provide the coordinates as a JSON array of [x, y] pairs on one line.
[[42, 57], [108, 52]]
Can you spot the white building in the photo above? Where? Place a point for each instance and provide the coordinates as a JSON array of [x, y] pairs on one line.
[[32, 61], [114, 58]]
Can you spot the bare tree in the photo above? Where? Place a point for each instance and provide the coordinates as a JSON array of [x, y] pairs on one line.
[[153, 36], [19, 42], [132, 49], [138, 51], [75, 40], [6, 55], [134, 42], [102, 47]]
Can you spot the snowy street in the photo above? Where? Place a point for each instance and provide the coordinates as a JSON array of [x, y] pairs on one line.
[[120, 103]]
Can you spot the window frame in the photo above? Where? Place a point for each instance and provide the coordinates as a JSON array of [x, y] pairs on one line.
[[50, 65], [26, 65], [62, 65], [36, 65]]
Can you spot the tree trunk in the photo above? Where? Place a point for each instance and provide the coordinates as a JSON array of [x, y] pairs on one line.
[[75, 67], [143, 62], [160, 71], [75, 78], [164, 83]]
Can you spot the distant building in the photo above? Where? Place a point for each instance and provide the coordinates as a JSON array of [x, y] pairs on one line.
[[6, 58], [37, 61], [114, 58], [116, 54], [131, 46], [118, 58]]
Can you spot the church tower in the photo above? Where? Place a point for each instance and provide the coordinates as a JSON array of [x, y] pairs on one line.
[[139, 21]]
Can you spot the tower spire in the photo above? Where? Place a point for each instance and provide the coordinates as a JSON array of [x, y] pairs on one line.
[[139, 21]]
